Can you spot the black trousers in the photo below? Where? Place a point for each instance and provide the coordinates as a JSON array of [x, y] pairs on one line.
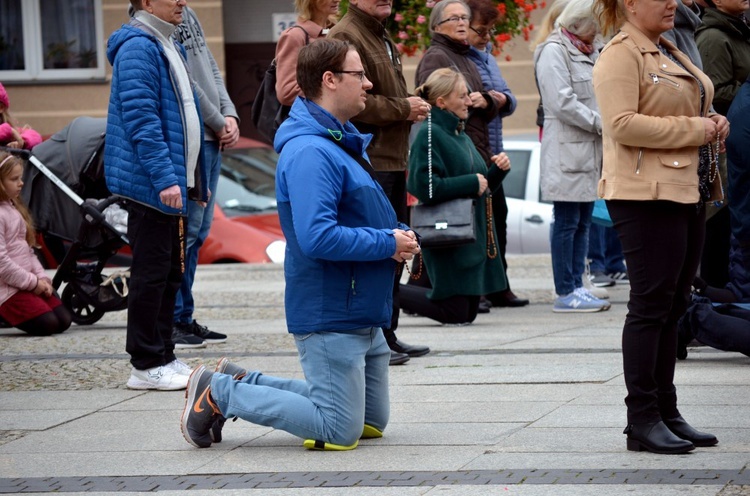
[[457, 309], [662, 243], [714, 267], [155, 277], [394, 185]]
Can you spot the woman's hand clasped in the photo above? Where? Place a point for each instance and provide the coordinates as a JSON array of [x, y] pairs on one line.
[[482, 184], [501, 160]]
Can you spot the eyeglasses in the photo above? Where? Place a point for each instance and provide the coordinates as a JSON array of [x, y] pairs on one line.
[[359, 74], [464, 18], [484, 32]]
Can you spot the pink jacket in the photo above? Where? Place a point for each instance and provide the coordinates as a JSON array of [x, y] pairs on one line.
[[19, 266], [287, 51], [30, 137]]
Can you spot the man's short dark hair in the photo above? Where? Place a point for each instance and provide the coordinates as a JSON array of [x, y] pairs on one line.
[[315, 60]]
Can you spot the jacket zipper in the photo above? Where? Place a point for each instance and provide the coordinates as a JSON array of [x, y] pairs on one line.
[[667, 81], [640, 159]]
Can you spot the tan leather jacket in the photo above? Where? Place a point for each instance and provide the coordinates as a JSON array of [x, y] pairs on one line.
[[650, 109]]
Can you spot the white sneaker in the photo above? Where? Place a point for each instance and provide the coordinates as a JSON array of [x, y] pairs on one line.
[[600, 293], [180, 367], [585, 294], [163, 378]]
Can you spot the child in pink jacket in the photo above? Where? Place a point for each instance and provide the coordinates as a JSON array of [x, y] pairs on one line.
[[27, 299], [10, 134]]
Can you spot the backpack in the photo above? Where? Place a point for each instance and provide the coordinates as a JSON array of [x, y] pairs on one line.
[[267, 113]]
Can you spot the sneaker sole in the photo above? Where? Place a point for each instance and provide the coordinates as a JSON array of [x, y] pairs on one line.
[[214, 341], [579, 310], [187, 346], [192, 389], [143, 385]]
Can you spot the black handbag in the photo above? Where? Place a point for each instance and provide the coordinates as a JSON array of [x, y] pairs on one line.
[[267, 112], [447, 224]]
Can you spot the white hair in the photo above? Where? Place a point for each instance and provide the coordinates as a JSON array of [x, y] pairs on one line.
[[578, 17]]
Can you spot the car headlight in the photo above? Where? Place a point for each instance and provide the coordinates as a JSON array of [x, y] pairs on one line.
[[276, 250]]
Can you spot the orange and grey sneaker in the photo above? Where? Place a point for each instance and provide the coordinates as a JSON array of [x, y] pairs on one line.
[[200, 410], [224, 366]]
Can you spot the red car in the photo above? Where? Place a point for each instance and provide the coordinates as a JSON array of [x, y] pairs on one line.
[[246, 223]]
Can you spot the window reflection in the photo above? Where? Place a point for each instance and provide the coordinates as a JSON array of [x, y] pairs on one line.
[[68, 34], [11, 36]]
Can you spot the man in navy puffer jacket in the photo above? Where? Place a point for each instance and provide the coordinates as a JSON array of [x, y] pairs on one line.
[[152, 158], [343, 247]]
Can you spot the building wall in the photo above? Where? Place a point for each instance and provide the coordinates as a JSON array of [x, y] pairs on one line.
[[241, 29], [50, 106]]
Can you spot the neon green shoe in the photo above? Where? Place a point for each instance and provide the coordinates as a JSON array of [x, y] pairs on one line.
[[370, 432], [312, 444]]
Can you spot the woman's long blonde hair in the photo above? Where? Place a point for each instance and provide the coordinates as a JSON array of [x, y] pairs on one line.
[[441, 83], [306, 9], [611, 14], [8, 162]]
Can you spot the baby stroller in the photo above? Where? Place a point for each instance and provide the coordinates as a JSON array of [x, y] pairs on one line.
[[70, 204]]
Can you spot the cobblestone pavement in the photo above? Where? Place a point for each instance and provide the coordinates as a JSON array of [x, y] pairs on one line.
[[247, 301], [736, 482]]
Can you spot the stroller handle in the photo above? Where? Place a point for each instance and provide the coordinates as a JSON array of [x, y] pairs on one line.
[[92, 214], [24, 154]]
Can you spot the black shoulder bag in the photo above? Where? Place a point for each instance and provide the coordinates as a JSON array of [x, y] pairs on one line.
[[267, 112]]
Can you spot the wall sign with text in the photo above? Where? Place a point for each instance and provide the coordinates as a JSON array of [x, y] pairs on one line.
[[282, 21]]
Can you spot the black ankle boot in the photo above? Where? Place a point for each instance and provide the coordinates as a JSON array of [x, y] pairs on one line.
[[656, 438], [683, 430]]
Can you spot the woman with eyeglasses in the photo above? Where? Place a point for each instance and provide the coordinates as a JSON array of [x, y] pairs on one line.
[[571, 148], [449, 25], [484, 15]]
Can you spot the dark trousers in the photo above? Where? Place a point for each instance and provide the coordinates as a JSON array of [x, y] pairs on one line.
[[500, 216], [457, 309], [714, 267], [662, 244], [394, 185], [155, 277]]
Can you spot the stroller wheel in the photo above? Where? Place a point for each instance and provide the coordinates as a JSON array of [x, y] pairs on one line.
[[82, 313]]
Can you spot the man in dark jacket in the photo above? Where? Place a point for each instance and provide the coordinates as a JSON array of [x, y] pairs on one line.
[[388, 116], [343, 245]]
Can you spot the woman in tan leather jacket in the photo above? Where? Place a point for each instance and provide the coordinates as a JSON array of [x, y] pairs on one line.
[[661, 149]]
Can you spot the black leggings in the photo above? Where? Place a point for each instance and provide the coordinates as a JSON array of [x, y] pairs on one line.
[[54, 322], [662, 243]]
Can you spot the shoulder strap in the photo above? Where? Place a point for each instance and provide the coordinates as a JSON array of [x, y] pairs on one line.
[[307, 36], [360, 160]]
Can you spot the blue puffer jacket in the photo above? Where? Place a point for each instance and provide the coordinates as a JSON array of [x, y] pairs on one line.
[[145, 150], [338, 225], [492, 79]]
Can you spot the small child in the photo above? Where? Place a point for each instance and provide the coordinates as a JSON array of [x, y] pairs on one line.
[[11, 135], [27, 299]]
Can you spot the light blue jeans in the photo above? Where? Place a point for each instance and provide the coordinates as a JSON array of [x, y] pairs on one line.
[[345, 387], [198, 225]]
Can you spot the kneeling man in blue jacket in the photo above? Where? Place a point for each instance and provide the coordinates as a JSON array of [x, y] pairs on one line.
[[343, 247]]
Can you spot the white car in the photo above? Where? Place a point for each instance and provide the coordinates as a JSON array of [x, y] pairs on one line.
[[529, 218]]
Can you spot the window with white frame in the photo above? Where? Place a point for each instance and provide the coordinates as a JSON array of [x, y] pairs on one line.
[[51, 40]]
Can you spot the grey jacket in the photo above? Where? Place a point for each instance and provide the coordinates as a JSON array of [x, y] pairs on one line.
[[215, 104], [686, 21], [572, 140]]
